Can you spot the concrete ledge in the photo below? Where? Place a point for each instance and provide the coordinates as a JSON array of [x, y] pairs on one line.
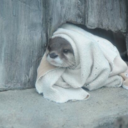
[[28, 109]]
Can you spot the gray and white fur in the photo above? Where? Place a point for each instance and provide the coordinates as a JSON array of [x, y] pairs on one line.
[[60, 53]]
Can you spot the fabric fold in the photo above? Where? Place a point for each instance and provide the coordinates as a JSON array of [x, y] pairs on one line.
[[97, 64]]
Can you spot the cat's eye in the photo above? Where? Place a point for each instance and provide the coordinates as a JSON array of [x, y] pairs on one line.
[[65, 51]]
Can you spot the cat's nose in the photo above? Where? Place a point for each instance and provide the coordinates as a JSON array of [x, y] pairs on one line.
[[53, 55]]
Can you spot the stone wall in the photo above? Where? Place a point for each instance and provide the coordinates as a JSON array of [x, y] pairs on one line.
[[22, 39], [109, 15]]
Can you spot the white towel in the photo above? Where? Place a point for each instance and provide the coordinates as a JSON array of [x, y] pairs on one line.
[[97, 64]]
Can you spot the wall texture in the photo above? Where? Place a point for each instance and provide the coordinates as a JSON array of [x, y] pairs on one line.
[[26, 25], [21, 42], [106, 14]]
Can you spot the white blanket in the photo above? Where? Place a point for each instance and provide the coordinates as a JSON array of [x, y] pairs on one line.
[[98, 64]]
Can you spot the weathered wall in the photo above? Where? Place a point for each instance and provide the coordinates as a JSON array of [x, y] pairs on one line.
[[60, 11], [26, 25], [21, 42], [106, 14]]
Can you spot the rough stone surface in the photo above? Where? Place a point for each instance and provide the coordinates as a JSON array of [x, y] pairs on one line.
[[110, 14], [61, 11], [28, 109], [21, 42]]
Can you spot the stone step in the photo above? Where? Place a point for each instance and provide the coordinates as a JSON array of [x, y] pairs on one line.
[[28, 109]]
